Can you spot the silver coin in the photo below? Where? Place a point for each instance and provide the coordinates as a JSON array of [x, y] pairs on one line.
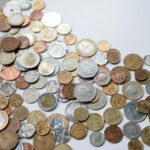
[[132, 114], [97, 139], [47, 102], [31, 76], [61, 135], [41, 83], [147, 87], [19, 146], [25, 5], [87, 68], [26, 130], [89, 80], [70, 109], [57, 49], [52, 86], [146, 60], [84, 92], [8, 88], [60, 97], [57, 123], [64, 29], [100, 103], [31, 95], [100, 58], [132, 90], [131, 130], [19, 66]]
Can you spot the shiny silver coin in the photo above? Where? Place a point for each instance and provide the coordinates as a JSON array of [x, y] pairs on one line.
[[131, 130], [26, 130], [87, 68], [60, 97], [31, 76], [97, 139], [84, 92], [52, 86], [132, 90], [146, 60], [47, 102], [132, 114], [147, 87], [8, 88], [19, 146]]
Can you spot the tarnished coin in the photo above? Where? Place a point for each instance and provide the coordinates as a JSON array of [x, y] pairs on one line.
[[3, 119], [20, 113], [78, 130], [3, 101], [103, 46], [87, 68], [31, 76], [97, 139], [133, 62], [62, 146], [84, 92], [113, 134], [70, 39], [36, 15], [113, 56], [27, 146], [38, 4], [95, 122], [24, 42], [30, 95], [86, 47], [145, 135], [141, 74], [147, 87], [112, 116], [146, 60], [64, 28], [52, 86], [132, 114], [143, 106], [132, 90], [47, 102], [8, 139], [131, 130], [135, 145], [15, 100], [39, 46]]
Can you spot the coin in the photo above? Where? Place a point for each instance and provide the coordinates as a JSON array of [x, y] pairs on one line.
[[52, 86], [141, 74], [3, 119], [113, 56], [30, 36], [36, 26], [60, 97], [27, 146], [62, 146], [24, 42], [131, 130], [147, 87], [19, 146], [132, 90], [25, 5], [36, 15], [103, 46], [145, 135], [135, 145], [146, 60], [132, 114], [8, 110], [10, 140], [64, 28], [73, 54], [94, 122], [70, 39], [143, 106], [20, 113], [113, 134], [27, 20], [39, 46], [15, 100], [84, 92], [133, 62], [31, 76], [38, 4], [47, 102], [78, 130], [97, 139], [3, 101], [117, 101]]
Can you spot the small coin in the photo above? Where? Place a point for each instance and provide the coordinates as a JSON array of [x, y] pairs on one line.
[[113, 56], [20, 113], [31, 76], [64, 28], [113, 134], [24, 42], [135, 145], [38, 4], [39, 46], [52, 86], [147, 87], [70, 39], [15, 100], [94, 122], [36, 26], [103, 46], [3, 119], [30, 36], [62, 146], [141, 74], [36, 15], [3, 101], [145, 135], [78, 130], [27, 146], [73, 54], [146, 60], [143, 106], [97, 139]]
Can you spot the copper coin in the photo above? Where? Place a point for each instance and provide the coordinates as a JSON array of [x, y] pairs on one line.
[[10, 73], [15, 100], [3, 101], [141, 74], [70, 39], [13, 125], [9, 44], [133, 62], [113, 56], [78, 130], [36, 15], [27, 146], [113, 134], [135, 144], [8, 110], [26, 21], [68, 91], [147, 98], [39, 46], [143, 106], [21, 83], [24, 42]]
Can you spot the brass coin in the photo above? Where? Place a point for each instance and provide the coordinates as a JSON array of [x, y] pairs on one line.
[[70, 39], [3, 101], [103, 46], [145, 135], [38, 4], [81, 114], [117, 101], [112, 116], [111, 88], [135, 144], [113, 56], [94, 122], [143, 106], [15, 100], [3, 119], [133, 62], [73, 54], [78, 130]]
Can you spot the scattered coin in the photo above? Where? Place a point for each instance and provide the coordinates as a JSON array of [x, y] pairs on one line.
[[143, 106], [27, 146], [3, 101], [36, 15], [31, 76], [135, 145], [146, 60], [24, 42], [145, 135], [39, 46], [70, 39], [113, 56], [3, 119], [15, 100], [62, 146], [38, 4], [103, 46], [141, 74], [64, 28], [52, 86]]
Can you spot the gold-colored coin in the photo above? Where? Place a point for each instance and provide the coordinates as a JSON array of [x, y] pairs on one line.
[[73, 54], [3, 101], [145, 135], [3, 119], [143, 106], [94, 122], [15, 100], [38, 4], [112, 116], [103, 46], [62, 146], [111, 88], [135, 144]]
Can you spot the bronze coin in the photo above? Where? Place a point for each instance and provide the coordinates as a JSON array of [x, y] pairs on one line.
[[113, 134], [133, 62], [36, 15], [27, 146], [9, 44], [8, 110], [68, 91], [141, 74], [26, 21], [15, 100], [143, 106], [135, 144], [24, 42], [78, 130], [13, 125], [21, 83], [113, 56], [3, 101], [70, 39], [39, 46]]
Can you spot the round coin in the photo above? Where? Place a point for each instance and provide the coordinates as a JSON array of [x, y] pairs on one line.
[[113, 56], [3, 101], [15, 100], [146, 60], [141, 74], [39, 46], [27, 146], [3, 119], [31, 76], [135, 145], [24, 42], [103, 46], [38, 4], [145, 135], [52, 86], [64, 28], [70, 39]]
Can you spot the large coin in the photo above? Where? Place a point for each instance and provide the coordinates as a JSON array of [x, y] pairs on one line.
[[145, 135]]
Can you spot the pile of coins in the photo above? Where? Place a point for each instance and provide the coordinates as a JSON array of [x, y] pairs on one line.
[[35, 48]]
